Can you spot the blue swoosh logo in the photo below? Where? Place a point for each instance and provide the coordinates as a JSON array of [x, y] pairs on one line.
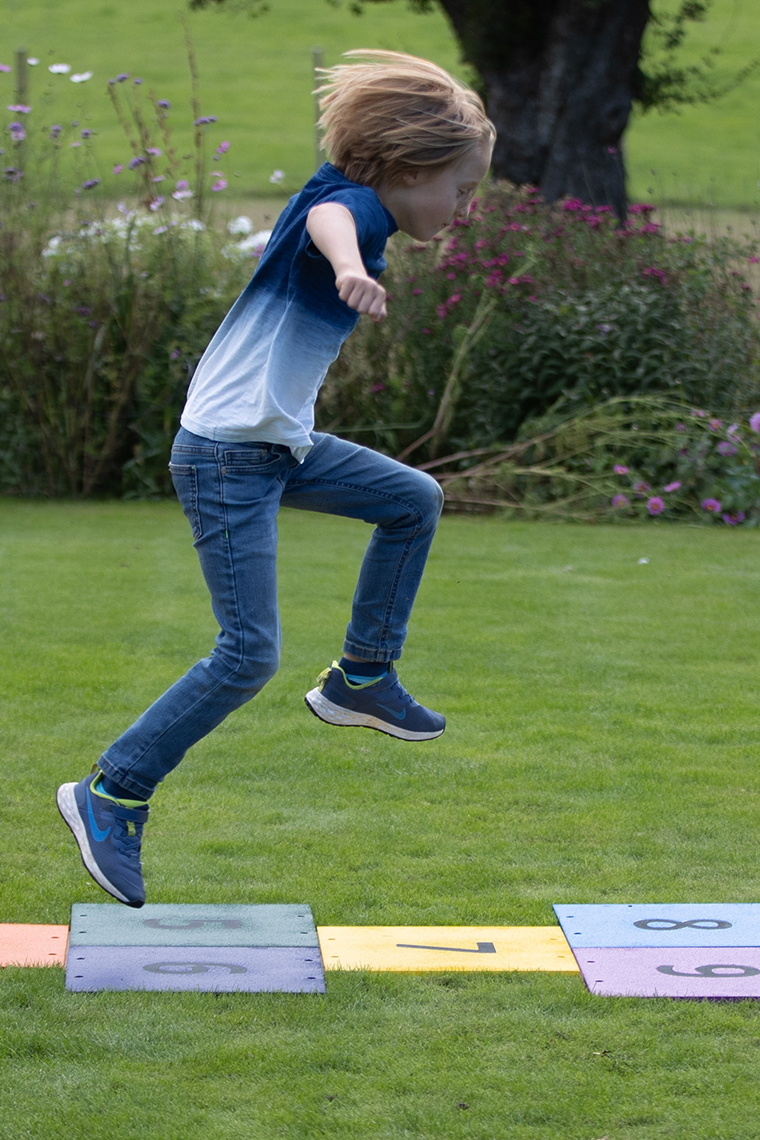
[[398, 715], [97, 834]]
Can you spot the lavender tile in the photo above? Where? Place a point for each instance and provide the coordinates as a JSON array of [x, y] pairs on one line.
[[680, 972], [219, 969]]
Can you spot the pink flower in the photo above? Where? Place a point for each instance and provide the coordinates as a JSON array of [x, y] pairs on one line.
[[671, 487], [154, 150], [118, 168], [223, 148], [620, 501], [698, 413], [620, 469], [754, 260], [416, 292], [725, 448], [711, 505], [425, 332], [156, 204], [735, 519], [220, 184], [754, 422], [716, 424], [655, 505], [641, 488]]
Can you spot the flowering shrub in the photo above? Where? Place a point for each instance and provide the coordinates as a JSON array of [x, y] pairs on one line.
[[626, 458], [579, 304], [103, 319]]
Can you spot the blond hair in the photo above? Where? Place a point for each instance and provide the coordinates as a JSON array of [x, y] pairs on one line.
[[393, 113]]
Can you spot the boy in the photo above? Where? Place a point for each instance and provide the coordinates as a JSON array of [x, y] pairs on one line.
[[409, 147]]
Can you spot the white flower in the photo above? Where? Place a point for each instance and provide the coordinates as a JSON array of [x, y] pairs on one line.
[[252, 246], [181, 195], [60, 68], [643, 561], [52, 246], [277, 176], [241, 225], [193, 224], [82, 77], [32, 61]]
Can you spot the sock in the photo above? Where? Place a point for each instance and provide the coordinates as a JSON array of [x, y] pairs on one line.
[[105, 785], [363, 672]]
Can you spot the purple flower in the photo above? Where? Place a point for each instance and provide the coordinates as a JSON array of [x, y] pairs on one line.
[[204, 119], [735, 519], [377, 388], [90, 183], [698, 413], [712, 505], [652, 271], [641, 488], [220, 184], [12, 174], [754, 422], [4, 67], [655, 505], [671, 487], [620, 469], [416, 292], [19, 108], [17, 132], [156, 204], [174, 354], [183, 184], [137, 82], [223, 148], [164, 104], [680, 427], [55, 130], [733, 430], [124, 75], [86, 134], [118, 168], [620, 501], [158, 178], [425, 332], [715, 424], [154, 150], [726, 448], [138, 160]]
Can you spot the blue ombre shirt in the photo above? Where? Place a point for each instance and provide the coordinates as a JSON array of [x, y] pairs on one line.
[[260, 375]]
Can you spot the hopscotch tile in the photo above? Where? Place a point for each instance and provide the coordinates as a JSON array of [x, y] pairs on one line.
[[219, 969], [681, 972], [425, 948], [182, 924], [660, 924], [27, 944]]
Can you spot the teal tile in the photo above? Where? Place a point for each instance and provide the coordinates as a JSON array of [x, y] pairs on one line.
[[190, 924]]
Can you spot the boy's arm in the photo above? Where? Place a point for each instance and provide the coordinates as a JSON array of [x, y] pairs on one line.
[[332, 229]]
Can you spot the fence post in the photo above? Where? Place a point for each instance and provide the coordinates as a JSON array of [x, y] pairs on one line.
[[317, 61]]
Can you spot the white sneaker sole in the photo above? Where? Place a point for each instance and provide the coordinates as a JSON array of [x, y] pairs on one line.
[[331, 713], [67, 806]]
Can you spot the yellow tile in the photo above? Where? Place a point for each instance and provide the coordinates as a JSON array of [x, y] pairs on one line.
[[424, 948]]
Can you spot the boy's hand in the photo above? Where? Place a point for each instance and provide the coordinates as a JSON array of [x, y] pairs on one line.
[[363, 294]]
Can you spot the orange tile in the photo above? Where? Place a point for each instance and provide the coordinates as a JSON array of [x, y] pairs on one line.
[[27, 944]]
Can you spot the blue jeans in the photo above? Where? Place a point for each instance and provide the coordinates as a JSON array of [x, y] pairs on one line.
[[231, 493]]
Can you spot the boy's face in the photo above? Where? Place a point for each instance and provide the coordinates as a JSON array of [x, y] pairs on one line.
[[425, 203]]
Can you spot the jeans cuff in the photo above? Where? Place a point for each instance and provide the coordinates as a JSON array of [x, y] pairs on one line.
[[366, 653], [139, 791]]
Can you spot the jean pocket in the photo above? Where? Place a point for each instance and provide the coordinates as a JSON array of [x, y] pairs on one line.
[[255, 458], [185, 480]]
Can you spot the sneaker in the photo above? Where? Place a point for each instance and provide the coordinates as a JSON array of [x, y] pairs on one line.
[[384, 705], [109, 837]]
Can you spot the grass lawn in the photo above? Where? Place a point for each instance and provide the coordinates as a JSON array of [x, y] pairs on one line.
[[602, 744], [256, 77]]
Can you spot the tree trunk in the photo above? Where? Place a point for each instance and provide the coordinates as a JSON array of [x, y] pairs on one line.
[[559, 78]]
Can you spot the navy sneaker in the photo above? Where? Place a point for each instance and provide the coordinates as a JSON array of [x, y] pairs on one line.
[[384, 705], [109, 837]]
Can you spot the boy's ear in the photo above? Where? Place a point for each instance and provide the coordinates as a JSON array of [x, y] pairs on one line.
[[410, 177]]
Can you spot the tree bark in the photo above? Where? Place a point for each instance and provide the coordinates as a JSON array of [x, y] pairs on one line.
[[559, 78]]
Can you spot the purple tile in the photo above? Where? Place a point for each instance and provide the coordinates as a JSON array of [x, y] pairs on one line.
[[220, 969], [680, 972]]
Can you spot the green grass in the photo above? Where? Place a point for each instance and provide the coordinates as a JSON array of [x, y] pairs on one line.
[[256, 76], [601, 747]]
